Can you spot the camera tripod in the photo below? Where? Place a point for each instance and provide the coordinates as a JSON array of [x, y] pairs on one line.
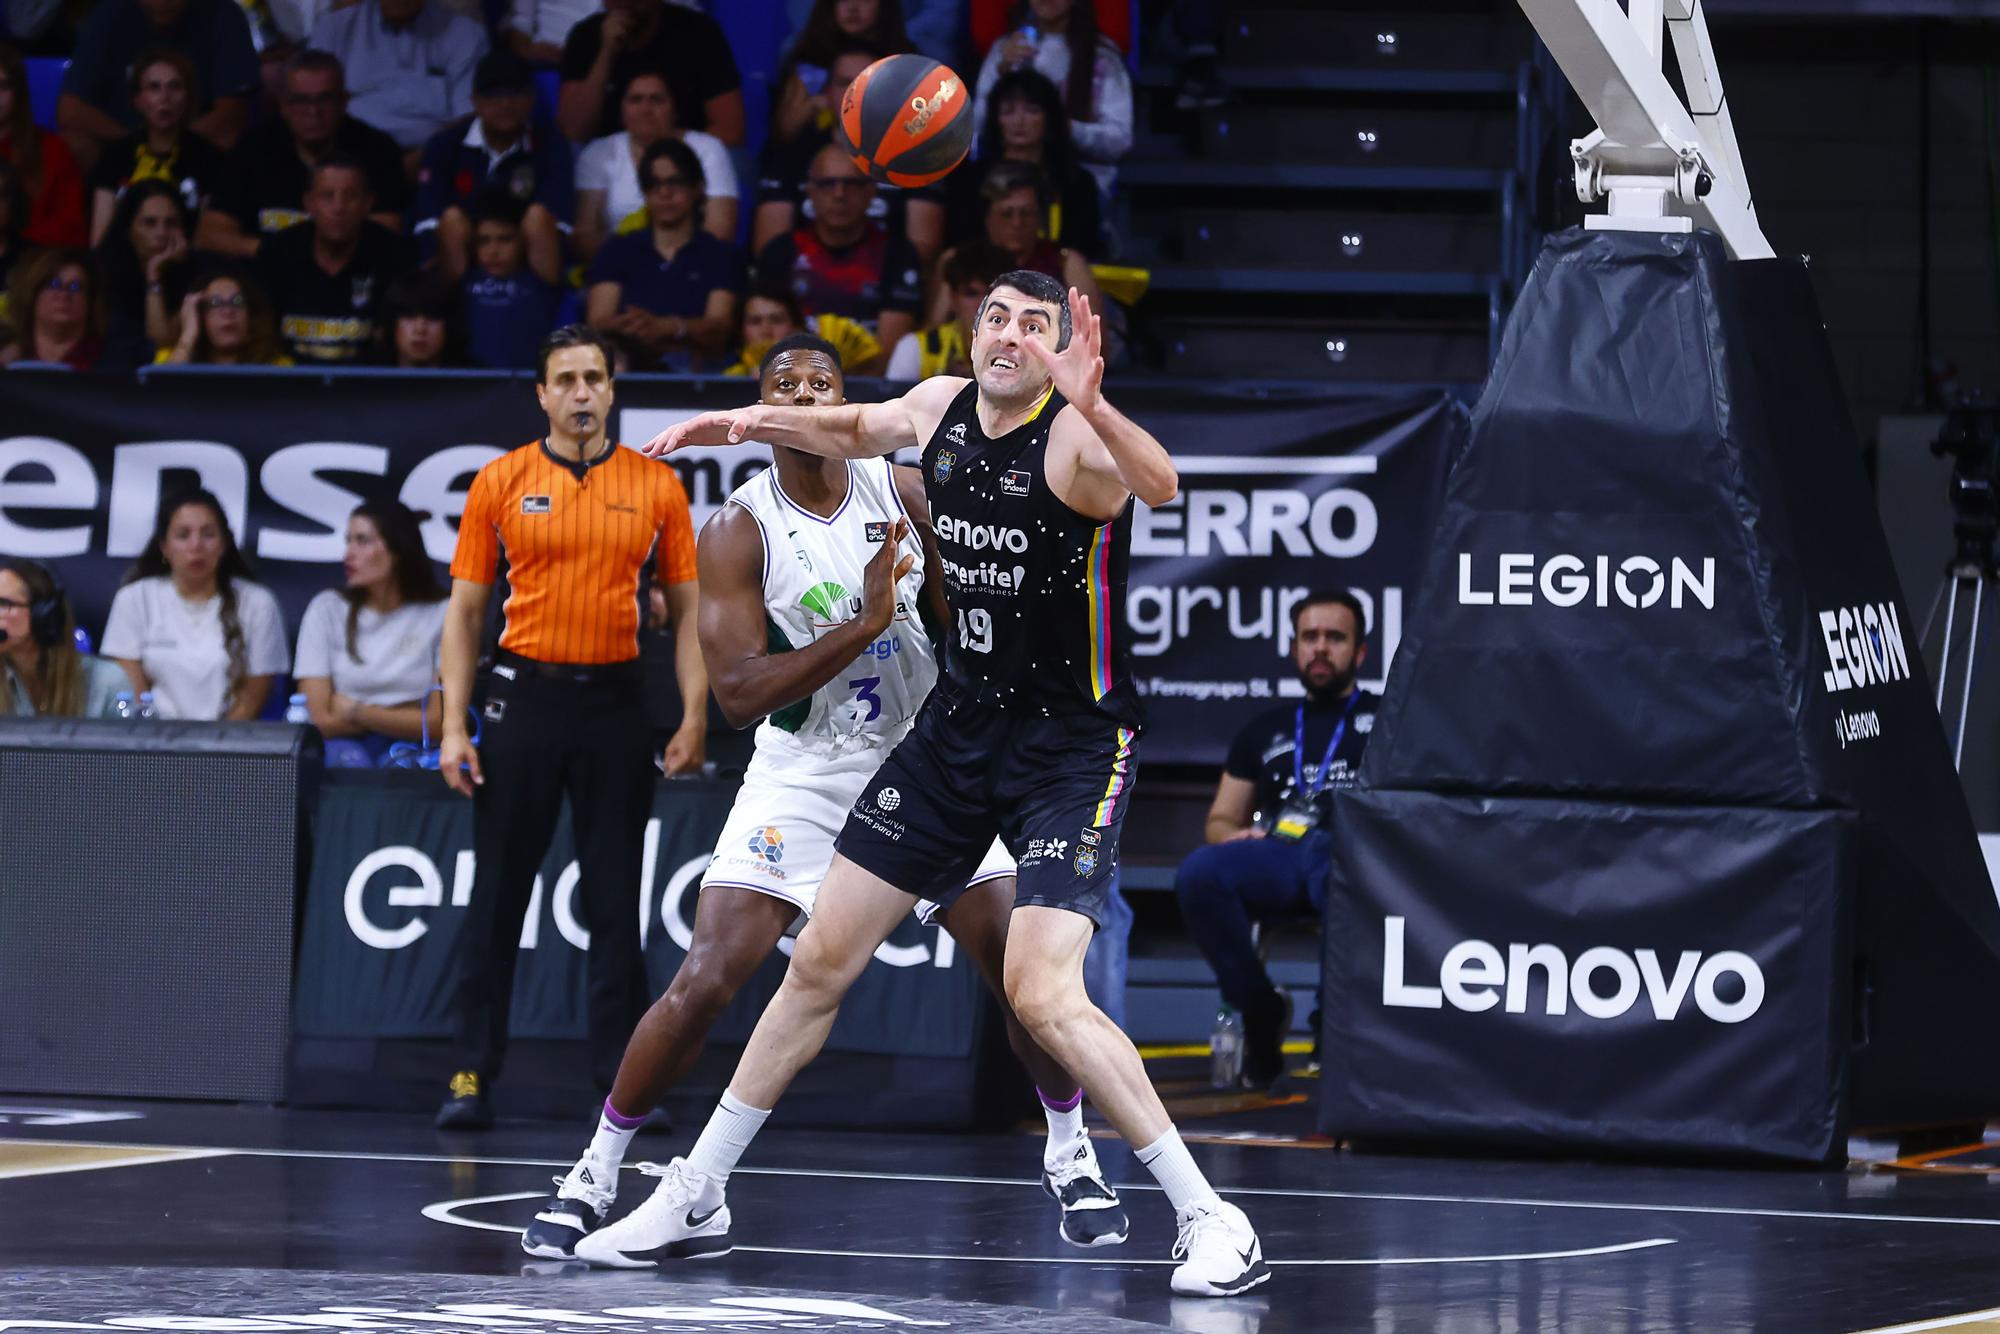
[[1968, 436]]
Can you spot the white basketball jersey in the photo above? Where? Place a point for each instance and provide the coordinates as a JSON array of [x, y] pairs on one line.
[[812, 583]]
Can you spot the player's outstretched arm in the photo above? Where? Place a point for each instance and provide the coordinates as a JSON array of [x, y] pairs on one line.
[[749, 681], [854, 431], [1113, 453]]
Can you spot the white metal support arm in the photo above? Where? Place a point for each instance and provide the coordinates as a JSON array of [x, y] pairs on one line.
[[1664, 166]]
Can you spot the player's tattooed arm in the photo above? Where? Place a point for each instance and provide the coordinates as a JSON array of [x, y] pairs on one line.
[[749, 680], [935, 612]]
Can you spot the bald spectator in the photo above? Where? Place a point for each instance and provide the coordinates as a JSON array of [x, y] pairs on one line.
[[95, 109], [409, 64], [918, 216], [264, 190], [844, 262], [327, 276], [605, 51]]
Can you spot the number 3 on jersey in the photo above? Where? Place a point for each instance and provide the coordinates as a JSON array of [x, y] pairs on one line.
[[975, 630]]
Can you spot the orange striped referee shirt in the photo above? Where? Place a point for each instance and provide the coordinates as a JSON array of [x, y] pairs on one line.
[[576, 541]]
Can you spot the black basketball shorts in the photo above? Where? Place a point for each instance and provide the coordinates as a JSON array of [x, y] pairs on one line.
[[1055, 790]]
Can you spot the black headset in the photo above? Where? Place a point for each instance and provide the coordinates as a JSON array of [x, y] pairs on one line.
[[45, 615]]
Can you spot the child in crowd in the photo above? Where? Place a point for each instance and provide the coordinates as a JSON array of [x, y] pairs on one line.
[[508, 309]]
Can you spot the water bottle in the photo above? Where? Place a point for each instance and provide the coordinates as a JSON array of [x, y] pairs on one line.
[[147, 712], [297, 712], [122, 707], [1225, 1050]]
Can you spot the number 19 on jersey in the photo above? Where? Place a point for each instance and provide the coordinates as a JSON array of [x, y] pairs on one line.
[[975, 630]]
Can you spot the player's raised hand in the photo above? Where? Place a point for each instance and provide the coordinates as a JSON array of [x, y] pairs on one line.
[[729, 427], [1078, 370], [884, 572]]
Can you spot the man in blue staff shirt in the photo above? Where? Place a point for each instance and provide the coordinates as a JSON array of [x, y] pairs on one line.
[[1268, 850]]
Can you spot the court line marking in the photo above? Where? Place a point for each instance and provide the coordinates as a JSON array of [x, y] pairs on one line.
[[136, 1160], [1496, 1201], [446, 1211], [1941, 1322]]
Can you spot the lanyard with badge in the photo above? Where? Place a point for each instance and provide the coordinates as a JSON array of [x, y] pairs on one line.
[[1299, 815]]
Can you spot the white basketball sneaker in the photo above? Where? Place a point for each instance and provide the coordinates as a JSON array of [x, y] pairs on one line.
[[1219, 1251], [685, 1218]]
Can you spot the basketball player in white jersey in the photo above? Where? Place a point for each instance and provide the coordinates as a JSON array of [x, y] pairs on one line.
[[816, 579]]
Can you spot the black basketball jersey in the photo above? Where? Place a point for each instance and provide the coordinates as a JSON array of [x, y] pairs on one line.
[[1037, 591]]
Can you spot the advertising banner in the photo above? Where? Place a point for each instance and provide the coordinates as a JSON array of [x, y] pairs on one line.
[[1557, 972], [392, 873], [1281, 492]]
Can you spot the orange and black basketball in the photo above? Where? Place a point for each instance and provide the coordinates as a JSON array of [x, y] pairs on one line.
[[907, 120]]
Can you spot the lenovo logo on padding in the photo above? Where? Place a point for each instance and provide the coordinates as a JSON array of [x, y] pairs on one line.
[[1603, 982], [1568, 581]]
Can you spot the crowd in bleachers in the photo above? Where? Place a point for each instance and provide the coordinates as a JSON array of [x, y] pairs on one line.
[[391, 182]]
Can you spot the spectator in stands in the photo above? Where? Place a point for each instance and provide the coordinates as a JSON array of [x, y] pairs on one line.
[[53, 302], [609, 198], [326, 276], [41, 671], [1269, 851], [934, 27], [536, 30], [771, 312], [190, 626], [1066, 41], [1027, 123], [803, 99], [918, 216], [420, 328], [498, 148], [143, 264], [844, 262], [96, 109], [409, 65], [163, 148], [668, 293], [368, 651], [945, 348], [13, 207], [49, 177], [606, 51], [1016, 197], [271, 173], [508, 307], [225, 320]]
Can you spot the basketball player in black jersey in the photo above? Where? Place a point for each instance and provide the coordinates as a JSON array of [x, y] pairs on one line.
[[1029, 734]]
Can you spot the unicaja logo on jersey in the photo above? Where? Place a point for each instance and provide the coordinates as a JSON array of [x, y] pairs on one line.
[[888, 798], [828, 601]]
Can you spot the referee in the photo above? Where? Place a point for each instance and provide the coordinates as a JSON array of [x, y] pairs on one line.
[[564, 711]]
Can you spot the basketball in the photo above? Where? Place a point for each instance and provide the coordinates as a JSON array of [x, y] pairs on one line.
[[907, 120]]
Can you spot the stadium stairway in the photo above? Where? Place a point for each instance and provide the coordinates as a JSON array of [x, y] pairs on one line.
[[1355, 213]]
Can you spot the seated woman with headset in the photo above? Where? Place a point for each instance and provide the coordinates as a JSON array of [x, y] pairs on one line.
[[41, 671]]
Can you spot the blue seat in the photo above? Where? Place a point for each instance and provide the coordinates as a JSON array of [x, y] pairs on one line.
[[547, 83], [45, 74]]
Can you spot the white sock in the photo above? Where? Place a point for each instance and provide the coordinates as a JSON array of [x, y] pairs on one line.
[[1065, 1125], [608, 1145], [725, 1137], [1173, 1167]]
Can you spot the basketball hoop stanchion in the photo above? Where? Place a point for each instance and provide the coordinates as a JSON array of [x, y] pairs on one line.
[[1661, 165]]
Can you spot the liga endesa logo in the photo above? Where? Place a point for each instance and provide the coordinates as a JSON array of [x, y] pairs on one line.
[[1475, 976]]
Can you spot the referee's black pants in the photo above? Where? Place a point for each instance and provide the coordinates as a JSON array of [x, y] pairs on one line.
[[541, 738]]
